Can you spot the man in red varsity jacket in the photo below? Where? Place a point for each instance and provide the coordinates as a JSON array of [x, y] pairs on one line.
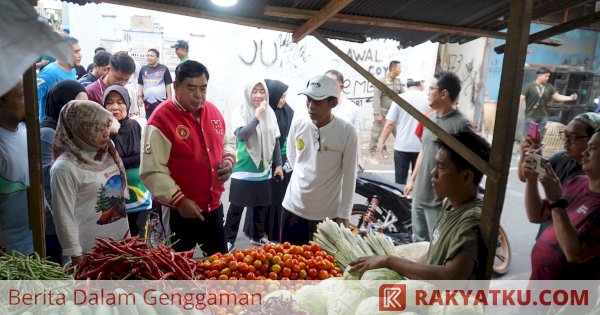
[[187, 156]]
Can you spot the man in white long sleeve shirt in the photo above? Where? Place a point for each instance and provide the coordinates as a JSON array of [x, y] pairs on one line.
[[322, 152]]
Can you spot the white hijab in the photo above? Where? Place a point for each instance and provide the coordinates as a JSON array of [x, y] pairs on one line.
[[261, 143]]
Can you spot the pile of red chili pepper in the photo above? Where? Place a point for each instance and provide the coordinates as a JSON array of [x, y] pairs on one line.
[[131, 258]]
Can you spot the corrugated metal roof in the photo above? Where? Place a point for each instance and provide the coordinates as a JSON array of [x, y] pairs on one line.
[[480, 14]]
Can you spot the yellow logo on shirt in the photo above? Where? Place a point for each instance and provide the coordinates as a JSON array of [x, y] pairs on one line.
[[300, 144]]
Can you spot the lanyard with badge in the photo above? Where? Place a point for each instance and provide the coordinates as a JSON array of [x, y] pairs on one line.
[[540, 91]]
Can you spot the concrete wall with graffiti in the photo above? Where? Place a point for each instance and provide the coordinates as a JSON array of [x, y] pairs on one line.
[[466, 61], [236, 54]]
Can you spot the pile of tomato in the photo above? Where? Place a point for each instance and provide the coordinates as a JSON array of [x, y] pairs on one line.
[[275, 262]]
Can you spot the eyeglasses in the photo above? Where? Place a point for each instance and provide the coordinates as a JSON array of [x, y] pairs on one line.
[[317, 135], [570, 136]]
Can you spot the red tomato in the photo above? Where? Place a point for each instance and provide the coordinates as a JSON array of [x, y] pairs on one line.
[[257, 264], [286, 257], [286, 245], [260, 278], [330, 258], [321, 265], [307, 254], [273, 276], [236, 274], [242, 267], [248, 260], [239, 256], [272, 251], [233, 278], [251, 276], [223, 277], [286, 272], [288, 263], [294, 249], [261, 257], [268, 256], [264, 268], [279, 248], [213, 274], [314, 247], [233, 265], [296, 268], [313, 273], [311, 264], [293, 276], [323, 274], [302, 265], [251, 268]]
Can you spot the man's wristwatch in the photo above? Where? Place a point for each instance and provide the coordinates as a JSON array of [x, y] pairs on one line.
[[560, 203]]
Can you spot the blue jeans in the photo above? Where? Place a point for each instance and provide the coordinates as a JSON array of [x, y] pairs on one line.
[[424, 218], [541, 125], [402, 161]]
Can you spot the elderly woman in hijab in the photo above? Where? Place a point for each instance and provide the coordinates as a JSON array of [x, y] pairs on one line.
[[569, 248], [58, 96], [257, 141], [89, 185], [127, 142], [284, 114]]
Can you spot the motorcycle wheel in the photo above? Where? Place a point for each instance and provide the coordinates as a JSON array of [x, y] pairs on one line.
[[503, 255], [360, 211]]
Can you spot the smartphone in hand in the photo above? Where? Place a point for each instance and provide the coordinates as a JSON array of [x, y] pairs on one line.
[[533, 130], [540, 163]]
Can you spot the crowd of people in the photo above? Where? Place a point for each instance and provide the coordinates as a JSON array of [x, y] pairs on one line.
[[104, 173]]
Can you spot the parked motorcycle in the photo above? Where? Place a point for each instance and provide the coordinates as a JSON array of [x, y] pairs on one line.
[[389, 212]]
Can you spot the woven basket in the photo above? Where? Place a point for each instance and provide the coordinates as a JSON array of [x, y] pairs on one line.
[[552, 141]]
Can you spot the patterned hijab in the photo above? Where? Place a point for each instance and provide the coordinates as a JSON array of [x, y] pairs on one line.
[[261, 143], [78, 126]]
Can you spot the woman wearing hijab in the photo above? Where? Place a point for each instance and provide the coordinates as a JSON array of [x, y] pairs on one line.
[[127, 142], [58, 96], [257, 141], [89, 185], [284, 114]]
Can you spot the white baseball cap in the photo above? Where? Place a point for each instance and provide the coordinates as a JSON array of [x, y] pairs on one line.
[[321, 87]]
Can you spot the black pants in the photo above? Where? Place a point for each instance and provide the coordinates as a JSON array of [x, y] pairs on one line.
[[53, 249], [137, 222], [189, 232], [234, 216], [150, 107], [295, 229], [402, 162]]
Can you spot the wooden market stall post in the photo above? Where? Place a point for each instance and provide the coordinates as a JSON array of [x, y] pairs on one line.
[[35, 191], [497, 168]]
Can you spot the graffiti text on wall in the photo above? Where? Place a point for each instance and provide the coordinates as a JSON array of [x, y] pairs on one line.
[[281, 54]]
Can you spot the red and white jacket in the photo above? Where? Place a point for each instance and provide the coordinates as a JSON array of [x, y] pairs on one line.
[[181, 153]]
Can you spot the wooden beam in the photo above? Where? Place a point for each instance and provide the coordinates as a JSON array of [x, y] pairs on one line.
[[505, 125], [35, 191], [543, 10], [429, 124], [215, 16], [318, 19], [301, 14], [558, 29]]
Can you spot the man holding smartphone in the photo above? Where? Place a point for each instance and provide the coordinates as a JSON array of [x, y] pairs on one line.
[[537, 95]]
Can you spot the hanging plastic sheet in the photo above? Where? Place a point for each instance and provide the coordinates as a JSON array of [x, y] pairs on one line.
[[25, 37]]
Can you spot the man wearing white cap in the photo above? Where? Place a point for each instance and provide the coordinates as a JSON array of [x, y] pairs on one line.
[[322, 151], [407, 145]]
